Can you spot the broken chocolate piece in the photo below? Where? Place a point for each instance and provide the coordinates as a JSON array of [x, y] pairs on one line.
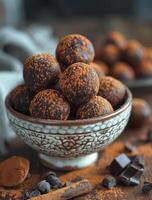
[[131, 175], [119, 164], [109, 182], [147, 187], [130, 148], [139, 160]]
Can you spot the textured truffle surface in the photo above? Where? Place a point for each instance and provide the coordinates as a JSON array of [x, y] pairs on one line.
[[74, 48], [110, 54], [20, 99], [140, 112], [98, 69], [116, 38], [40, 72], [79, 83], [123, 71], [133, 52], [49, 104], [97, 106], [112, 89]]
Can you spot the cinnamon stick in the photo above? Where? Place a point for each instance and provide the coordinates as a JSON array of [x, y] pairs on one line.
[[65, 193]]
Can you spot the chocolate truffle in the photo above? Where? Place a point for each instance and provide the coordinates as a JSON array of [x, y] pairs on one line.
[[21, 98], [116, 38], [74, 48], [140, 112], [148, 53], [112, 89], [123, 72], [40, 72], [145, 69], [103, 65], [133, 52], [98, 69], [109, 54], [79, 83], [49, 104], [97, 106]]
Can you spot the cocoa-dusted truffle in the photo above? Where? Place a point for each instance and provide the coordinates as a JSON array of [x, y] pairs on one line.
[[74, 48], [123, 72], [20, 99], [40, 72], [116, 38], [103, 65], [98, 69], [112, 89], [148, 53], [140, 112], [97, 106], [133, 52], [110, 54], [79, 83], [145, 69], [49, 104]]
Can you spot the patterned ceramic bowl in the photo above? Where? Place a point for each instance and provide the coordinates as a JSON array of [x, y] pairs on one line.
[[71, 143]]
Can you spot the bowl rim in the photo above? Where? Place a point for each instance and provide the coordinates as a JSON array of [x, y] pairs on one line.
[[77, 122]]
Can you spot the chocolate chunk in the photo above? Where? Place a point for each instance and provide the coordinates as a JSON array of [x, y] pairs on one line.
[[48, 174], [139, 160], [130, 148], [44, 187], [54, 181], [147, 187], [128, 181], [109, 182], [131, 175], [119, 164]]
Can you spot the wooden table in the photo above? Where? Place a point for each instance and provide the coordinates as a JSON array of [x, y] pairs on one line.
[[94, 173]]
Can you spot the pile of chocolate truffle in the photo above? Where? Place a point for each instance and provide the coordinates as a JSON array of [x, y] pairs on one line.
[[69, 86], [124, 59]]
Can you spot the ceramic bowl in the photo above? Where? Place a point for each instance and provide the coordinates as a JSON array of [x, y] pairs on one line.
[[72, 143]]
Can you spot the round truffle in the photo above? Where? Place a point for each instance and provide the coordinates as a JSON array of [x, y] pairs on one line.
[[21, 98], [40, 72], [109, 54], [98, 69], [74, 48], [49, 104], [79, 83], [115, 38], [148, 53], [140, 112], [145, 69], [123, 72], [133, 52], [97, 106], [103, 65], [113, 90]]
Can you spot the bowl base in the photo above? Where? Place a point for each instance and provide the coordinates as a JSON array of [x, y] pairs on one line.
[[66, 164]]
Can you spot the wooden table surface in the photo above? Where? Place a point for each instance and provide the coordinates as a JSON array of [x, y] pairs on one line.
[[94, 173]]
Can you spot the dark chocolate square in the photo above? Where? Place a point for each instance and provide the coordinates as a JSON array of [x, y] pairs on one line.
[[119, 164]]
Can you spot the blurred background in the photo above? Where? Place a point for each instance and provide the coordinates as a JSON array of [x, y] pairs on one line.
[[34, 26]]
